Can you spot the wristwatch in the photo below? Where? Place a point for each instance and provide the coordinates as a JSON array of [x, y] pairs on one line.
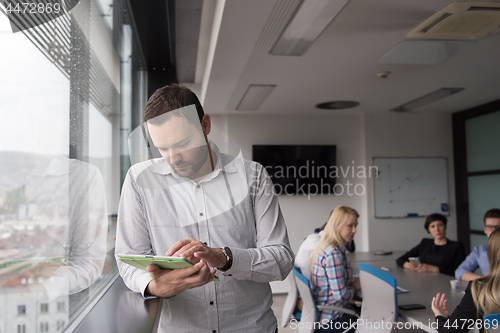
[[229, 257]]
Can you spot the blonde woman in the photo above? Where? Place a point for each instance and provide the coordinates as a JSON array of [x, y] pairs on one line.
[[332, 282], [482, 296]]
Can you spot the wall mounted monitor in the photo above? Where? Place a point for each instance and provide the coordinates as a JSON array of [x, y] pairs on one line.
[[299, 169]]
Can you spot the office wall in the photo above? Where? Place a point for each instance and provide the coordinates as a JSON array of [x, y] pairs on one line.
[[302, 213], [359, 138], [407, 135]]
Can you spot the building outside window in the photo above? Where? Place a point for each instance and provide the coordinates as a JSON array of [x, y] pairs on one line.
[[21, 309], [61, 306], [61, 102]]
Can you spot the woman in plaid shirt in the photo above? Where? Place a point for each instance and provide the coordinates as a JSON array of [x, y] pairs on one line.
[[332, 282]]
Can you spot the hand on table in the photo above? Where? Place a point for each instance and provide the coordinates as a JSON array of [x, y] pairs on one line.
[[410, 266], [427, 268], [438, 306], [168, 283]]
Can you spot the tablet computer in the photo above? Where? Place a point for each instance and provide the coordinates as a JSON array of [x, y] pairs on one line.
[[142, 261]]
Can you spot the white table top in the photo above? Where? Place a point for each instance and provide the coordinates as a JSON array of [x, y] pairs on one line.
[[422, 286]]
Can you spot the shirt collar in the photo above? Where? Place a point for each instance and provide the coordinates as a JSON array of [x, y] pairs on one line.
[[59, 166], [52, 166]]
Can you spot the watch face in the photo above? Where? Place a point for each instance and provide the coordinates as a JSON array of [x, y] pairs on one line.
[[228, 252]]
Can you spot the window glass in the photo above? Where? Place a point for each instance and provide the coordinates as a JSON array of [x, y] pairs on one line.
[[484, 192], [100, 147], [482, 140], [56, 233], [106, 10], [476, 240]]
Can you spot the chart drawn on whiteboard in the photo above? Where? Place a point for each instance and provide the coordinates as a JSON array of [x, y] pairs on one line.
[[407, 187]]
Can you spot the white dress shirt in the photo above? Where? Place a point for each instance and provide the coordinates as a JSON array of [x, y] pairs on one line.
[[305, 252], [232, 206]]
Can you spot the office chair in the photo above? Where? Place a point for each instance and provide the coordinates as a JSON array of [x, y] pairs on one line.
[[290, 302], [493, 320], [380, 299], [309, 314]]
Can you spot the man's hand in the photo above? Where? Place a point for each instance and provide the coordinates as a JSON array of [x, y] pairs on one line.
[[410, 265], [469, 276], [438, 306], [427, 268], [194, 251], [168, 283]]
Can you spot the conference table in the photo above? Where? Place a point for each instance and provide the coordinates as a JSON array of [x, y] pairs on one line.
[[422, 287]]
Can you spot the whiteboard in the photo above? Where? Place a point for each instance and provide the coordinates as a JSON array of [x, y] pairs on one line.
[[408, 187]]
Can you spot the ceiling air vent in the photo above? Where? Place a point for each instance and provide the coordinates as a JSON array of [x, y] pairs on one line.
[[460, 21]]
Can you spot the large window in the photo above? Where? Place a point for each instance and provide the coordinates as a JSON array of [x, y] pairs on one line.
[[477, 169], [60, 132]]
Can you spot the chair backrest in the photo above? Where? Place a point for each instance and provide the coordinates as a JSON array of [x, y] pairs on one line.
[[492, 321], [309, 307], [290, 302], [380, 300]]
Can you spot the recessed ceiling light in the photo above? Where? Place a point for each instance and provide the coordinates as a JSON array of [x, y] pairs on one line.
[[337, 105], [427, 99]]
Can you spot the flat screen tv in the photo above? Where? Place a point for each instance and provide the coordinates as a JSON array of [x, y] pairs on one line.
[[299, 169]]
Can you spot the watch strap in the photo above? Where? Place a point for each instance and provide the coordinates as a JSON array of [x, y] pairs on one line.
[[229, 257]]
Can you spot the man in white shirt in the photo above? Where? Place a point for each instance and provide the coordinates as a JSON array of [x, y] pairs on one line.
[[211, 208]]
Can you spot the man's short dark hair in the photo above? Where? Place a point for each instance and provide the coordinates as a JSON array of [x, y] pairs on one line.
[[492, 213], [170, 98], [434, 217]]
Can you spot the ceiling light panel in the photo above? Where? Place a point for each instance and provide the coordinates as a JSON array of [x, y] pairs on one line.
[[312, 17], [255, 96], [424, 52], [427, 99]]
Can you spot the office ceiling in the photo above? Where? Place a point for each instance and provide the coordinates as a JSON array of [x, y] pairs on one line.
[[342, 64]]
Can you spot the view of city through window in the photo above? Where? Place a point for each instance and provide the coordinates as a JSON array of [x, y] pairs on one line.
[[60, 123]]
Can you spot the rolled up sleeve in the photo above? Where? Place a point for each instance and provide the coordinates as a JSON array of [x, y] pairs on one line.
[[273, 257], [470, 264], [132, 236]]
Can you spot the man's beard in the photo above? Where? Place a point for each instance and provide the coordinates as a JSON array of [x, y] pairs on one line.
[[193, 166]]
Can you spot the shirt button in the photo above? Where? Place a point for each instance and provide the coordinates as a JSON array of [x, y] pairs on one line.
[[201, 214], [230, 275], [198, 186], [211, 302], [214, 331], [205, 243]]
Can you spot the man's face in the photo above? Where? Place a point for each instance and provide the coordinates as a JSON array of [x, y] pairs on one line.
[[182, 145], [490, 224]]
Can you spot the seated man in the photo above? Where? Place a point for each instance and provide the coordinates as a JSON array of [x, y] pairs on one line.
[[478, 258], [306, 249]]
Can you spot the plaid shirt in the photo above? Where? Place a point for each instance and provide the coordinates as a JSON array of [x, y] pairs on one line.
[[331, 280]]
